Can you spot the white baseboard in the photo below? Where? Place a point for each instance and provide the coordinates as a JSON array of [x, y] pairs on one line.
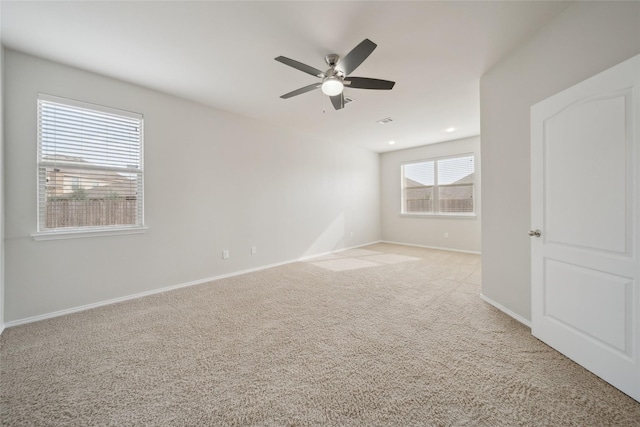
[[506, 311], [432, 247], [165, 289]]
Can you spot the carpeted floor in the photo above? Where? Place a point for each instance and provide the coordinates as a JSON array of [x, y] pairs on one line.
[[386, 335]]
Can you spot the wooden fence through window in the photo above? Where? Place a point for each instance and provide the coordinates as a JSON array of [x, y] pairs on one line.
[[446, 205], [63, 213]]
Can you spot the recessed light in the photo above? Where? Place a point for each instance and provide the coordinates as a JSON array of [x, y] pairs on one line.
[[450, 130], [391, 142]]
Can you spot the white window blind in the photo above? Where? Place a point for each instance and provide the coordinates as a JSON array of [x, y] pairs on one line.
[[443, 186], [90, 174]]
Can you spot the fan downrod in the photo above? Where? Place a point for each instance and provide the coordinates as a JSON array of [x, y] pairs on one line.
[[332, 59]]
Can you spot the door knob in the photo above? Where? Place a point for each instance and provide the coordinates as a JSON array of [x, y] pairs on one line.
[[535, 233]]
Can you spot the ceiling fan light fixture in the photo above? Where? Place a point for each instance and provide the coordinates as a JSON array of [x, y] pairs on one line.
[[334, 79], [332, 86]]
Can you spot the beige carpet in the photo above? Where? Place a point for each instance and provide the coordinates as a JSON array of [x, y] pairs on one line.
[[382, 336]]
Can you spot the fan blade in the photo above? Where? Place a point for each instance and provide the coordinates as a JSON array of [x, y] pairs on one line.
[[300, 66], [302, 90], [354, 58], [338, 101], [366, 83]]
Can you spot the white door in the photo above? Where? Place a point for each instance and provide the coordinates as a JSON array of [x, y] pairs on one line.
[[585, 184]]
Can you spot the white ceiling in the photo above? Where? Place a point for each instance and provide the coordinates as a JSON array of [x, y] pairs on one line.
[[222, 54]]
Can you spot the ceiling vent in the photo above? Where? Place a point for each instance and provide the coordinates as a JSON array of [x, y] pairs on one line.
[[385, 121]]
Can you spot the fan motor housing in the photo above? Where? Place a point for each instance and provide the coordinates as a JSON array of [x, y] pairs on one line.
[[333, 73]]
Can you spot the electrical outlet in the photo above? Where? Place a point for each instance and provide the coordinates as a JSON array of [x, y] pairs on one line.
[[253, 250], [446, 235], [225, 254]]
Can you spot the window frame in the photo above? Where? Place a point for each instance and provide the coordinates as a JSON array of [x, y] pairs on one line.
[[435, 189], [44, 233]]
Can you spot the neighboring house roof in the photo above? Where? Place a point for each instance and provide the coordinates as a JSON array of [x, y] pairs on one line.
[[469, 179], [411, 183], [76, 169], [95, 183], [459, 192], [415, 188]]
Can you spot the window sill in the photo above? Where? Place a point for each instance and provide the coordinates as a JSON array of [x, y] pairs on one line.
[[79, 233], [441, 216]]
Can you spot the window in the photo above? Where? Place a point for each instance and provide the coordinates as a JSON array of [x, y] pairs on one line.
[[89, 167], [443, 186]]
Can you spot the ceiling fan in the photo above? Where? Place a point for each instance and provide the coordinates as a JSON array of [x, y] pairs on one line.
[[336, 78]]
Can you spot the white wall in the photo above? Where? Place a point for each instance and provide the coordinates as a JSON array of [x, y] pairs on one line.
[[213, 181], [587, 38], [2, 184], [464, 233]]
